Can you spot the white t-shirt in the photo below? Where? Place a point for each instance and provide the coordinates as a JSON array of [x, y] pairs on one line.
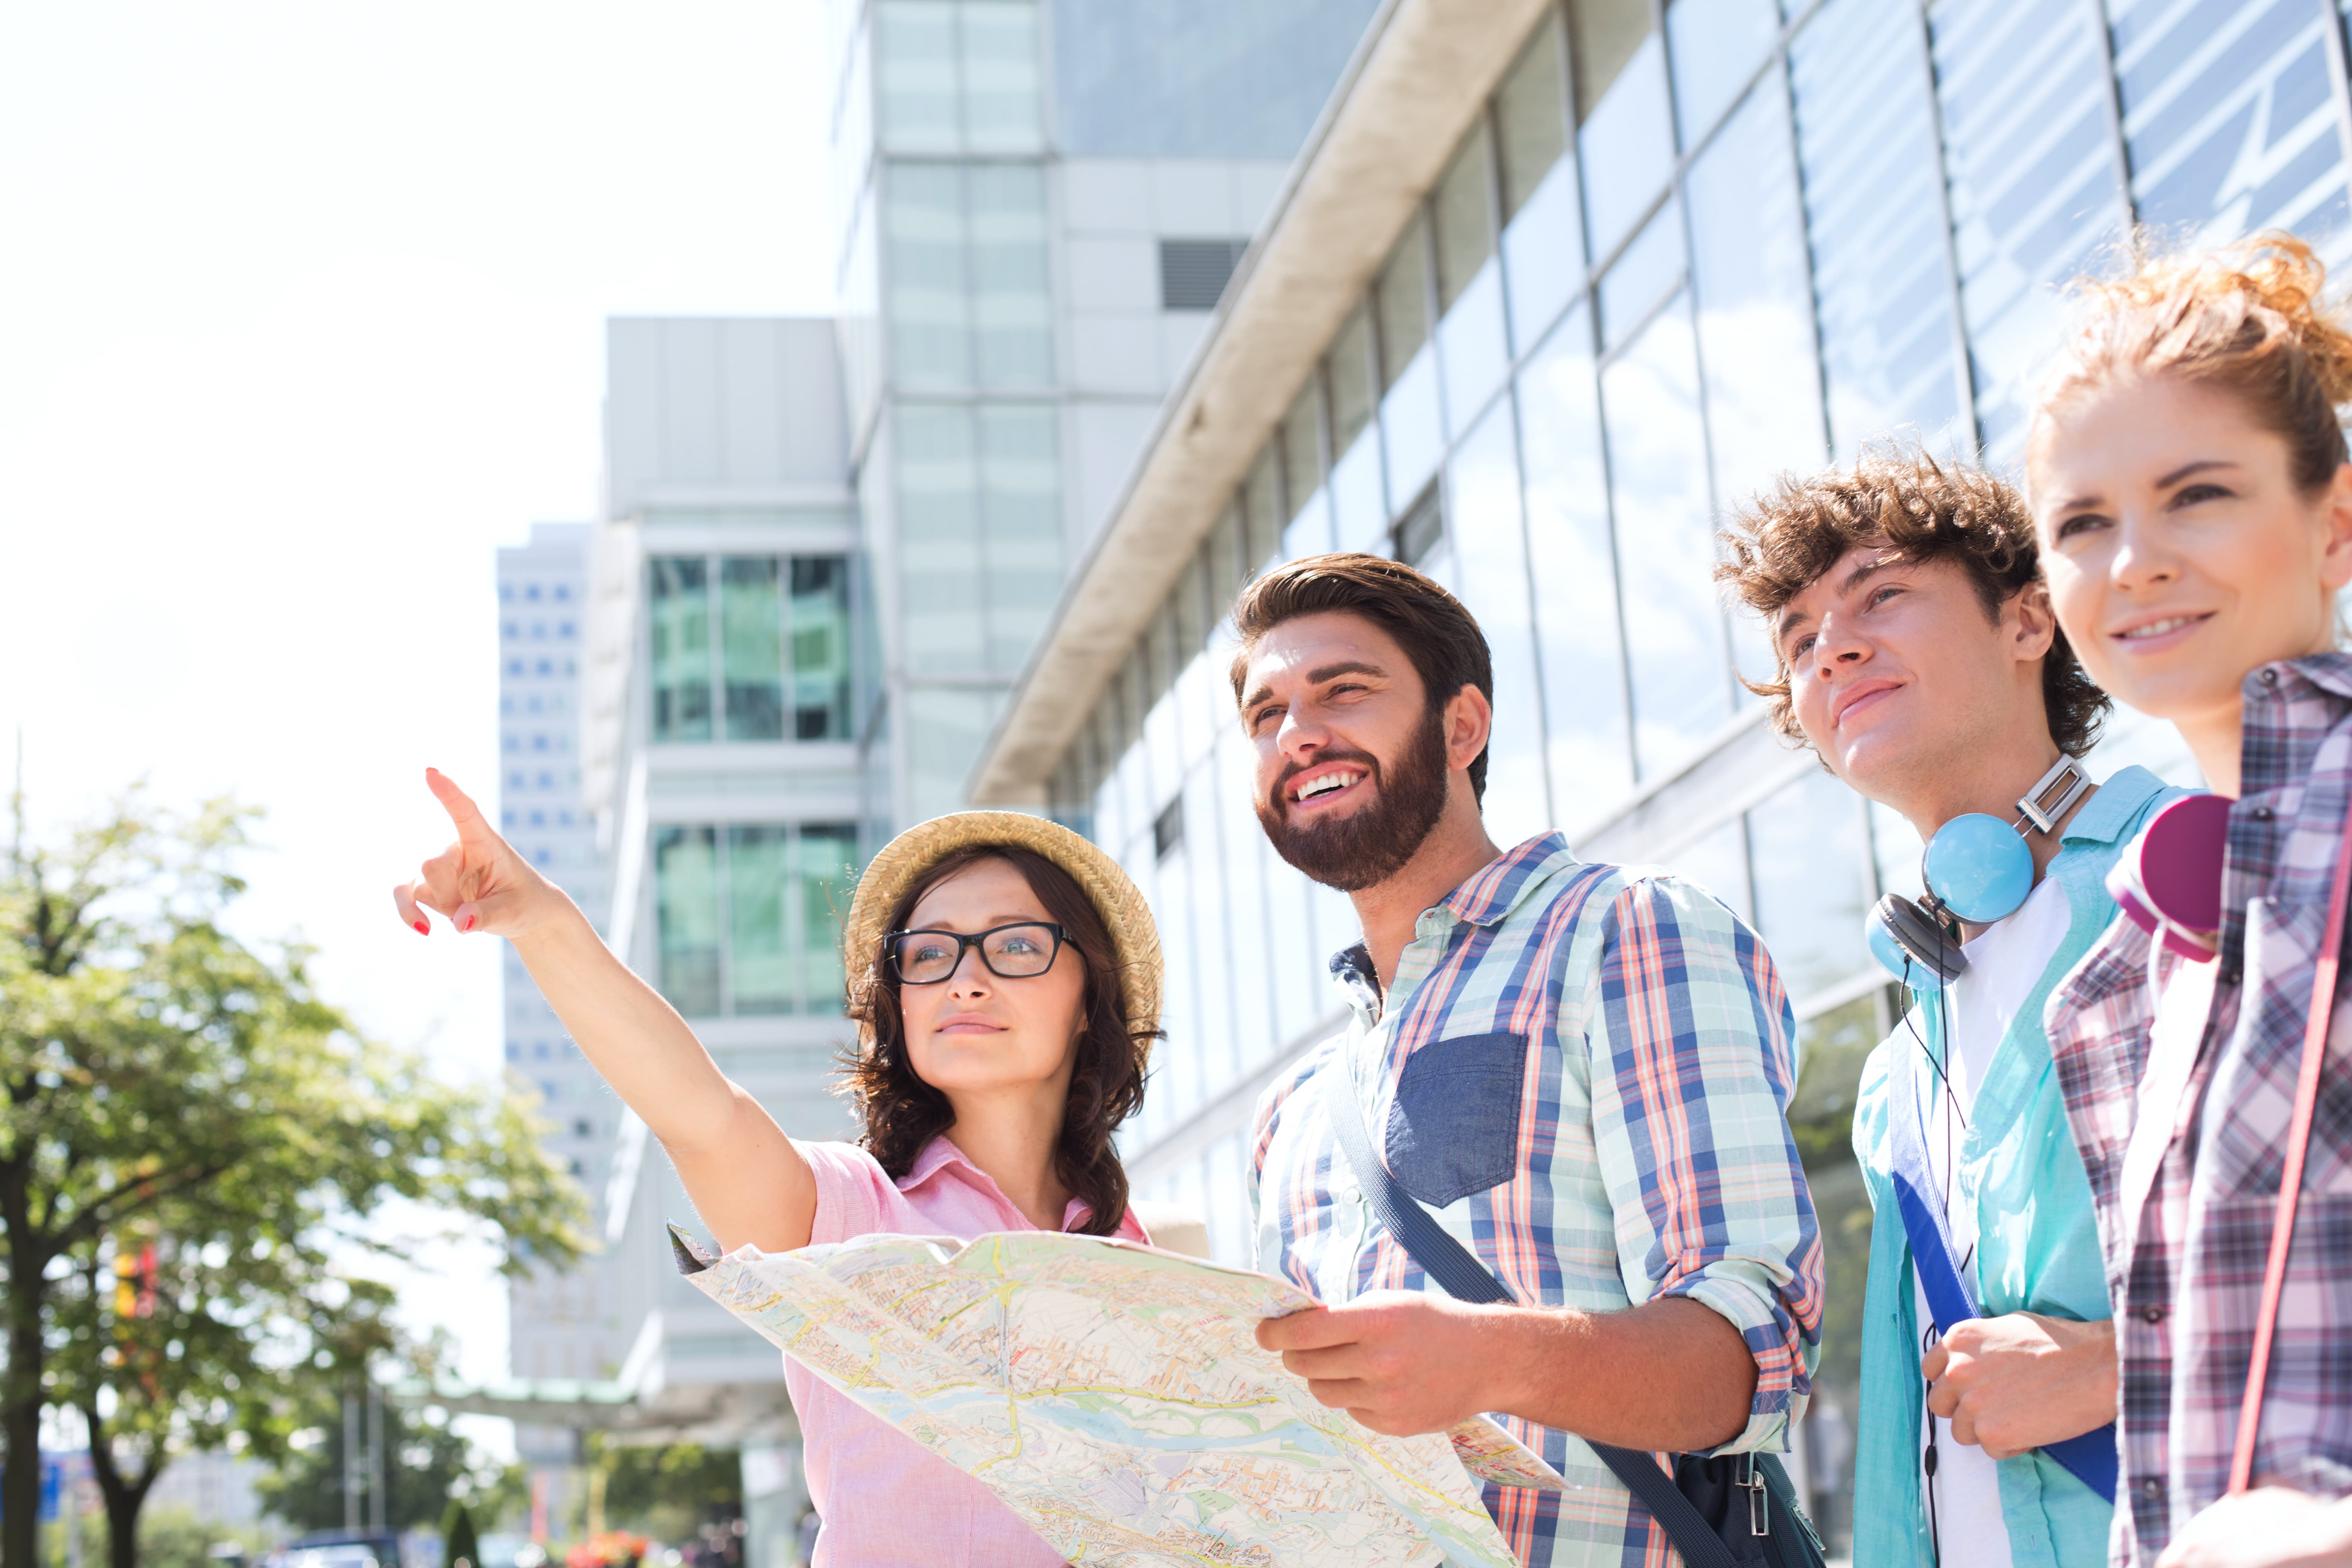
[[2005, 962]]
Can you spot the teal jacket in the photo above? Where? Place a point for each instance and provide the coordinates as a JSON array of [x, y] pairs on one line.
[[2038, 1241]]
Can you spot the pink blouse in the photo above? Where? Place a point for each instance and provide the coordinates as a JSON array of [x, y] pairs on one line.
[[887, 1501]]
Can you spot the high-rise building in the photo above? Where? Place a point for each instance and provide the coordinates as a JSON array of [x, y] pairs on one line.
[[1039, 205], [729, 762], [561, 1325], [1552, 286]]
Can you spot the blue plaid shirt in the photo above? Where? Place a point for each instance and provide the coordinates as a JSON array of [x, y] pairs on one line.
[[1583, 1071]]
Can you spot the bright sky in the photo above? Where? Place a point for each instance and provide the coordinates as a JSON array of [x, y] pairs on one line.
[[302, 316]]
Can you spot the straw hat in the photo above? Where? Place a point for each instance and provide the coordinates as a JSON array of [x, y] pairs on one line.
[[1135, 940]]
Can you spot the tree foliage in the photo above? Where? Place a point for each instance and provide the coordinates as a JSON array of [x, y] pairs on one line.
[[665, 1491], [428, 1466], [190, 1141]]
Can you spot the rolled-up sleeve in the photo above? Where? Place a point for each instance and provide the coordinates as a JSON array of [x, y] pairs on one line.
[[1693, 1065]]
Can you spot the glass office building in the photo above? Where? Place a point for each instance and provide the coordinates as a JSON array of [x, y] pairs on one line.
[[1037, 203], [1632, 260]]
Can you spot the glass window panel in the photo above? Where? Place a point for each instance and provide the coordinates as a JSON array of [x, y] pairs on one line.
[[1465, 225], [1717, 46], [1261, 515], [1021, 506], [1359, 509], [1649, 269], [1625, 145], [1604, 36], [1309, 533], [1190, 599], [1543, 256], [752, 646], [1011, 306], [1754, 296], [821, 647], [1413, 428], [1183, 1075], [1473, 348], [1657, 469], [678, 629], [1229, 558], [824, 880], [2036, 188], [1531, 116], [1807, 847], [686, 908], [2229, 117], [1248, 857], [1866, 139], [1573, 569], [923, 228], [1718, 862], [939, 539], [761, 975], [915, 74], [1350, 370], [1302, 447], [1213, 933], [1490, 556], [1002, 97], [1400, 296], [944, 732]]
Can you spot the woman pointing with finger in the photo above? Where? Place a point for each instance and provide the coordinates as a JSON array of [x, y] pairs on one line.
[[1004, 976]]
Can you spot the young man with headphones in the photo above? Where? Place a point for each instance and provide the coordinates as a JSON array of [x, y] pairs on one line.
[[1918, 658]]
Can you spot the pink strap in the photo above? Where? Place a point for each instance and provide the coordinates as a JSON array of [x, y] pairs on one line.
[[2298, 1143]]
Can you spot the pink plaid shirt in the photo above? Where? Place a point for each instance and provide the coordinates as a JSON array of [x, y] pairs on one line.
[[887, 1501], [2187, 1285]]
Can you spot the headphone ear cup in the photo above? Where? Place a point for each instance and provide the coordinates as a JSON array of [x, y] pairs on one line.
[[1934, 959]]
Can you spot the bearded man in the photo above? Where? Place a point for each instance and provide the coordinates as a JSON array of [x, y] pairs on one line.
[[1582, 1071]]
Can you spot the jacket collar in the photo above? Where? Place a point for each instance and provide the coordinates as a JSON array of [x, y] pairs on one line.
[[2112, 813]]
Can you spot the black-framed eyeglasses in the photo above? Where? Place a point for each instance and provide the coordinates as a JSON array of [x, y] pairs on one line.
[[1018, 951]]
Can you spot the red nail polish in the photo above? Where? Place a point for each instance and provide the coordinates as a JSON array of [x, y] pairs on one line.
[[466, 924], [424, 929]]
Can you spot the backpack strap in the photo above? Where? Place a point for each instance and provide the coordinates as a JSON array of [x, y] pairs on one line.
[[1456, 1268]]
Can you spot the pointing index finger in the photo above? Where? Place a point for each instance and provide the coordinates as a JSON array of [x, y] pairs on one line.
[[463, 812]]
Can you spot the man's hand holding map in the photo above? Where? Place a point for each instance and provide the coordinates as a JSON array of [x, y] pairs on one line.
[[1116, 1397]]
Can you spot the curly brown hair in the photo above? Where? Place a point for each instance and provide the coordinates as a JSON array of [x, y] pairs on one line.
[[902, 1114], [1898, 495]]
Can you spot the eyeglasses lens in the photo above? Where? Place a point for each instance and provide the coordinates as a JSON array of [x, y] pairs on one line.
[[1019, 950], [926, 958]]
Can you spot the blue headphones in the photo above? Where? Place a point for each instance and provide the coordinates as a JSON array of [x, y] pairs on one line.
[[1976, 868]]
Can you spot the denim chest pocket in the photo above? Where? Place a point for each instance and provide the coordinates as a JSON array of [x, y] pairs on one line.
[[1455, 1129]]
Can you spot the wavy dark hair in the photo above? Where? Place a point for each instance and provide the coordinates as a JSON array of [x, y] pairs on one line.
[[902, 1114]]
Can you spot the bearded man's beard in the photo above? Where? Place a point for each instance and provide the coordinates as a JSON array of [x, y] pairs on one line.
[[1371, 844]]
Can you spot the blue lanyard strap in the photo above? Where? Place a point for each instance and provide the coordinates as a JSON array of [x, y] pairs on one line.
[[2089, 1458]]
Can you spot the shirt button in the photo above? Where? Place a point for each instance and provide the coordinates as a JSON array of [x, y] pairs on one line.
[[2270, 678], [2228, 974], [2262, 814], [2152, 1487], [2152, 1313]]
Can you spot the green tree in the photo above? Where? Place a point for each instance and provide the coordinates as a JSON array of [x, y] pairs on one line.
[[428, 1466], [665, 1492], [188, 1137], [460, 1547]]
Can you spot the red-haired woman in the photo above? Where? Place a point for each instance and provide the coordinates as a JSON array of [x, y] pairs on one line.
[[2190, 490]]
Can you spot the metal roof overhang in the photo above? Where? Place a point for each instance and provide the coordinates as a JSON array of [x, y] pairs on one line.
[[1418, 80]]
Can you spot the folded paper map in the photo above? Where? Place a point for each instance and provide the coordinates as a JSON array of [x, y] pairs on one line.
[[1115, 1396]]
